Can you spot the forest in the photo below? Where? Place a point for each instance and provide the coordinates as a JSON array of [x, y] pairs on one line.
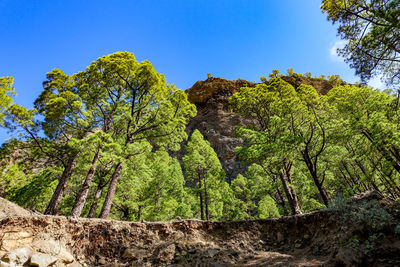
[[101, 143]]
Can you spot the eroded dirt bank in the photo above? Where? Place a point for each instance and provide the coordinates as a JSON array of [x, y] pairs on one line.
[[321, 238]]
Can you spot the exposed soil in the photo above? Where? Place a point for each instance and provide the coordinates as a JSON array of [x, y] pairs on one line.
[[314, 239], [8, 208]]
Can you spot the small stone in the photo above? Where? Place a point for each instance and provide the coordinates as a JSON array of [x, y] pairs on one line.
[[102, 261], [261, 242], [42, 260], [132, 253], [212, 252], [183, 252], [297, 245]]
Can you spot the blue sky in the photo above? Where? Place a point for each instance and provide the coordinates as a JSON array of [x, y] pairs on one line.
[[183, 39]]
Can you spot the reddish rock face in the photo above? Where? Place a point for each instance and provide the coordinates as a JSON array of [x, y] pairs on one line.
[[215, 90], [216, 120], [322, 86]]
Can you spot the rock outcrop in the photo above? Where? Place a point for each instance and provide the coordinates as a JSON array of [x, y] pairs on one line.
[[216, 120]]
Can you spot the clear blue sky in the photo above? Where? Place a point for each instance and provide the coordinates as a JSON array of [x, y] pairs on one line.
[[183, 39]]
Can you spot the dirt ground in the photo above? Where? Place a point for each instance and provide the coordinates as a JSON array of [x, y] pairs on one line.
[[314, 239]]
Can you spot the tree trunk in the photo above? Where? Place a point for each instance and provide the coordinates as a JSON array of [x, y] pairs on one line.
[[349, 182], [388, 185], [139, 214], [384, 152], [313, 171], [321, 189], [282, 201], [81, 200], [126, 214], [201, 200], [60, 189], [93, 208], [105, 211], [295, 201], [288, 194], [206, 199], [389, 180]]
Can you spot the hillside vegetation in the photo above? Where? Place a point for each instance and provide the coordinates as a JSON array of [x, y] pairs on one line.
[[110, 143]]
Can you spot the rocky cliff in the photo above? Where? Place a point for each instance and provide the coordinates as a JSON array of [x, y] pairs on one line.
[[216, 120]]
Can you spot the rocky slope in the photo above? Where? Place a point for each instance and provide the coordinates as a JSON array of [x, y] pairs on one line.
[[322, 238], [216, 120]]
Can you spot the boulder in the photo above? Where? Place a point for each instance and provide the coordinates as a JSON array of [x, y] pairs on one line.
[[17, 257], [53, 248], [15, 238], [42, 260]]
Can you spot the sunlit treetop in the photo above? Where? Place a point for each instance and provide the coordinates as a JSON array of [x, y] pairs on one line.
[[371, 29]]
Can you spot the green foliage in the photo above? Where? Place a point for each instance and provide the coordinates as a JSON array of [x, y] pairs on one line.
[[112, 107], [346, 141], [353, 242], [11, 178], [367, 214], [310, 204], [372, 216], [267, 208], [275, 74], [372, 117], [364, 246], [37, 192], [308, 75], [300, 148], [370, 243], [20, 175], [335, 80], [204, 171], [339, 203], [243, 195], [290, 72], [369, 220], [370, 29], [6, 94], [287, 126], [155, 186]]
